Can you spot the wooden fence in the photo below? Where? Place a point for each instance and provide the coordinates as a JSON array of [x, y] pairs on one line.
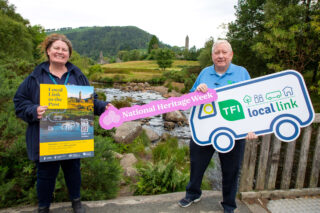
[[270, 164]]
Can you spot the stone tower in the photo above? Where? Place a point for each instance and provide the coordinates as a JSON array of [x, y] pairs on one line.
[[101, 61], [187, 43]]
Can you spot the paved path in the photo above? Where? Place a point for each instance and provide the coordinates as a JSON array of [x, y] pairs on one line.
[[166, 203], [298, 205]]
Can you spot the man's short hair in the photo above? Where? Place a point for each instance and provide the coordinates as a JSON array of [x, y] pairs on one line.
[[221, 42]]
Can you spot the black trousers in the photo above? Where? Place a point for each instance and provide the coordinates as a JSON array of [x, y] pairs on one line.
[[46, 179], [200, 157]]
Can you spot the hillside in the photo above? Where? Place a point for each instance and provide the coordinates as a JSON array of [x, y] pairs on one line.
[[89, 41]]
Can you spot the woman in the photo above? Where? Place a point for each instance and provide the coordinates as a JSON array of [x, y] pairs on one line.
[[57, 70]]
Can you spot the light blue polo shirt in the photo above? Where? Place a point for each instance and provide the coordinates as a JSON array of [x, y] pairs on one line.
[[213, 80]]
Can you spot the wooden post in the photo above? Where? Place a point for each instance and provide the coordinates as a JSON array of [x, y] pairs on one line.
[[303, 157], [315, 163], [248, 166], [274, 161], [287, 166], [263, 161]]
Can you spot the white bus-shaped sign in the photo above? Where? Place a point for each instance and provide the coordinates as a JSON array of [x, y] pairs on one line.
[[278, 103]]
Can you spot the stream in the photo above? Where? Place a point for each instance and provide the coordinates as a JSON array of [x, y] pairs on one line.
[[156, 123]]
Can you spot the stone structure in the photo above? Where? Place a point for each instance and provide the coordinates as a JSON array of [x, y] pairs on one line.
[[187, 43], [101, 59]]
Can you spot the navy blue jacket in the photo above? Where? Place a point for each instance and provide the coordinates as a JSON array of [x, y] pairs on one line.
[[27, 99]]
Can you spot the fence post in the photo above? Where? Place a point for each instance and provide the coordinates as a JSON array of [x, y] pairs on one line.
[[248, 166], [287, 166], [274, 161], [315, 163], [263, 161], [303, 157]]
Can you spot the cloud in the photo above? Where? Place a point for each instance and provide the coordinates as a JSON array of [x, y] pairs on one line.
[[170, 20]]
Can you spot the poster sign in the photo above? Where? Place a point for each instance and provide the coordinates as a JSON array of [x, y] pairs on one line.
[[66, 129], [278, 103], [114, 117]]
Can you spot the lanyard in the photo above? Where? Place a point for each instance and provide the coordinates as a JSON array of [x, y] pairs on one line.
[[54, 81]]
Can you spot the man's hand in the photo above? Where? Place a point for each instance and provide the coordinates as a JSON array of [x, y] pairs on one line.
[[41, 110], [251, 136], [202, 88]]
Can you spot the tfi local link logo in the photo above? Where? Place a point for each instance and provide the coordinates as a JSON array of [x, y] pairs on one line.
[[259, 104], [274, 101], [231, 110]]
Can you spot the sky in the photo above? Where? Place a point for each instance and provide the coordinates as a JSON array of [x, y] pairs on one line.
[[170, 20]]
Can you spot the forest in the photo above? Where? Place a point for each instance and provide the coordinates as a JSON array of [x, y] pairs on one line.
[[90, 41]]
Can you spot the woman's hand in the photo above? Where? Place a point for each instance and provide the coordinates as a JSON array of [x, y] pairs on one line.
[[108, 105], [41, 110], [251, 136], [202, 88]]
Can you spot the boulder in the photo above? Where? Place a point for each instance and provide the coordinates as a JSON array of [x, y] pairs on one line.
[[146, 84], [172, 94], [117, 155], [175, 116], [127, 132], [128, 160], [152, 135], [165, 136], [169, 125], [130, 172]]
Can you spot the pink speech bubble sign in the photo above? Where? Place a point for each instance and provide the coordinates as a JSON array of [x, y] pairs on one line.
[[114, 117]]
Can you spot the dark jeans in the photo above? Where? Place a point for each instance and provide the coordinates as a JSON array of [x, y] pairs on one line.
[[46, 179], [200, 157]]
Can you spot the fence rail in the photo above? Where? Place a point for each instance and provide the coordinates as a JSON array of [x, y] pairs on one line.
[[270, 164]]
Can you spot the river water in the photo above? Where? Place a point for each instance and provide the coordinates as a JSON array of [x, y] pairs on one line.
[[156, 123]]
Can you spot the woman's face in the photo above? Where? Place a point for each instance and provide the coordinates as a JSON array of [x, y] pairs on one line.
[[58, 52]]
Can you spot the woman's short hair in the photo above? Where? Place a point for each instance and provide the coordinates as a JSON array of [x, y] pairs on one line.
[[48, 41], [221, 42]]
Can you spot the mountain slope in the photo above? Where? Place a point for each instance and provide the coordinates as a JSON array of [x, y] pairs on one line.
[[89, 41]]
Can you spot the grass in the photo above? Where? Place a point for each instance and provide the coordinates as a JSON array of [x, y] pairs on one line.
[[150, 65], [133, 75], [141, 70]]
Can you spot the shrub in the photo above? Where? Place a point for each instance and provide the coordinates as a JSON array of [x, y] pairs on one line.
[[95, 69], [123, 102], [137, 146], [119, 78], [157, 80], [17, 175], [170, 149], [101, 96], [160, 178]]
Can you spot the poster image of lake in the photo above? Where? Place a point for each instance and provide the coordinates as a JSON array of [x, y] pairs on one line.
[[67, 132]]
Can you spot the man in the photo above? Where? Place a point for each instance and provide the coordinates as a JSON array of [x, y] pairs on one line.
[[222, 73]]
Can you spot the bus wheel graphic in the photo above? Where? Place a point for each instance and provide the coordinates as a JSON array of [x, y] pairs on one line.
[[287, 129], [222, 141]]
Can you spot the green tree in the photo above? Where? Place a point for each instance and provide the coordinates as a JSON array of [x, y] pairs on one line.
[[18, 39], [164, 58], [245, 32], [205, 58], [289, 40], [153, 44], [192, 54]]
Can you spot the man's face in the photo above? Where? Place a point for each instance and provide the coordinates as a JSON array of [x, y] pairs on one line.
[[222, 56]]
